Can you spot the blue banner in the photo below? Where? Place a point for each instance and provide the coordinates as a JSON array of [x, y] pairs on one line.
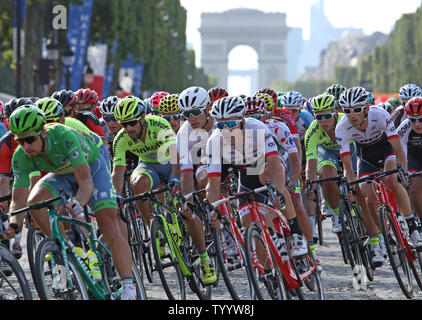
[[79, 22], [137, 79], [22, 13], [108, 79]]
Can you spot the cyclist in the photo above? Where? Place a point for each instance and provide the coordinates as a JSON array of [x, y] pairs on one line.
[[394, 101], [229, 146], [378, 147], [216, 93], [410, 132], [335, 90], [109, 123], [386, 106], [407, 92], [75, 164], [155, 101], [170, 111]]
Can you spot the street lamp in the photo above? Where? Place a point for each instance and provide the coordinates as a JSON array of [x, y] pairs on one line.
[[89, 75], [68, 58], [52, 50]]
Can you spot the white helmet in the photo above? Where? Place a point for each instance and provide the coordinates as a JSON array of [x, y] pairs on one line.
[[354, 97], [193, 98], [228, 107], [409, 91], [108, 104], [292, 98]]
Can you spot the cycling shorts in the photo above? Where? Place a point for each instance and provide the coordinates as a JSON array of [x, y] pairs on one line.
[[157, 173], [327, 157], [414, 161]]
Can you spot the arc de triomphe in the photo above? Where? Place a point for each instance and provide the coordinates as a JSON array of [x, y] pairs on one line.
[[265, 32]]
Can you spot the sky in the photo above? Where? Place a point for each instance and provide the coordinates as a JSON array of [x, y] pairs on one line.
[[369, 15]]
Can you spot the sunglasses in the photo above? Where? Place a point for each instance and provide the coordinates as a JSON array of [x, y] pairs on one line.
[[414, 120], [256, 116], [326, 116], [228, 124], [28, 140], [130, 123], [108, 119], [354, 110], [172, 117], [195, 113]]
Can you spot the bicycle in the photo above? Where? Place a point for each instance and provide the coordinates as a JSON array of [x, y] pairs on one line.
[[393, 228], [13, 282], [176, 258], [319, 217], [60, 273], [271, 276]]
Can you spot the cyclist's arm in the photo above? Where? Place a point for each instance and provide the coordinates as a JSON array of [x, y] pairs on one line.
[[19, 197], [86, 186], [299, 147], [348, 171], [311, 169], [296, 166], [4, 190], [398, 150], [117, 177]]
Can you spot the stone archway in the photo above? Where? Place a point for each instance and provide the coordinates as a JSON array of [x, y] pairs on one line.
[[264, 32]]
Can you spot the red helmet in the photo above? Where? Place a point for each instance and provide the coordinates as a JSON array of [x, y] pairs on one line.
[[414, 107], [254, 105], [217, 93], [86, 96], [269, 91], [156, 97]]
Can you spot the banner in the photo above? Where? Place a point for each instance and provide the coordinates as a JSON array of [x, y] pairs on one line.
[[137, 79], [108, 79], [131, 74], [97, 59], [79, 22]]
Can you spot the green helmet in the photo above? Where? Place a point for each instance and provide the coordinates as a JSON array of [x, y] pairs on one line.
[[25, 119], [323, 102], [51, 107], [394, 101], [129, 108], [280, 95]]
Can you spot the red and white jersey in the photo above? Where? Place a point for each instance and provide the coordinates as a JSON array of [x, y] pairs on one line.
[[409, 139], [379, 122], [283, 135], [288, 118]]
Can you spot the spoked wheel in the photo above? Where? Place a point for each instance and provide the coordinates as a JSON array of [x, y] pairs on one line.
[[396, 253], [267, 282], [166, 264], [33, 238]]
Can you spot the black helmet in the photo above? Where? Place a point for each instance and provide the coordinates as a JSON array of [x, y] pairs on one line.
[[66, 98], [14, 103]]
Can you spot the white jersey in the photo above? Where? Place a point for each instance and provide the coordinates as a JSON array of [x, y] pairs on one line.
[[409, 139], [379, 122], [191, 145], [282, 132], [257, 145]]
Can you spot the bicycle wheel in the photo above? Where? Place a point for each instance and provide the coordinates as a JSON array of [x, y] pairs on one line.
[[111, 276], [13, 283], [396, 253], [416, 267], [318, 220], [166, 264], [33, 238], [266, 283], [51, 279], [231, 261]]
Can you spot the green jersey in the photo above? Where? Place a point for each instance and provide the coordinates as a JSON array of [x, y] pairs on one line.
[[67, 148], [315, 136], [159, 135]]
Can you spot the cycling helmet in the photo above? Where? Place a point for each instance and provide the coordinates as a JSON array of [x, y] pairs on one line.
[[193, 98], [269, 91], [354, 97], [414, 107], [280, 95], [409, 91], [25, 119], [269, 102], [254, 105], [323, 102], [169, 104], [292, 99], [108, 104], [66, 97], [86, 96], [129, 108], [394, 101], [34, 99], [15, 103], [335, 90], [228, 107], [52, 108], [155, 99], [386, 106], [217, 93], [371, 98]]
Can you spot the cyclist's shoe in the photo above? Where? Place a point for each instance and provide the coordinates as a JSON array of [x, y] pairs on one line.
[[327, 211], [300, 246], [377, 257], [416, 239], [396, 257], [6, 269], [336, 223], [209, 273], [161, 245], [17, 250], [47, 257], [318, 263], [382, 246], [93, 265], [128, 292], [271, 285]]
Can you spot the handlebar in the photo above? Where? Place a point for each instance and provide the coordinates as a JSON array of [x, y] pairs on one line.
[[144, 196]]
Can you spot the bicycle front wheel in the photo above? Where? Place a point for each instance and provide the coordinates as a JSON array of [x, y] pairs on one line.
[[33, 238], [267, 282], [51, 278], [396, 253], [166, 264]]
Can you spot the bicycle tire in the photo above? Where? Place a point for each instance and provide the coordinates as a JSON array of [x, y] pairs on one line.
[[265, 290], [14, 286], [33, 238], [168, 269], [231, 271], [111, 276], [318, 220], [397, 257], [416, 267], [46, 269]]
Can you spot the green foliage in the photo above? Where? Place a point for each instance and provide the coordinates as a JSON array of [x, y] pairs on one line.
[[308, 88]]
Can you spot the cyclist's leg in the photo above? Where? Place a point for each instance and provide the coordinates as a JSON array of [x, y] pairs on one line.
[[415, 165]]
